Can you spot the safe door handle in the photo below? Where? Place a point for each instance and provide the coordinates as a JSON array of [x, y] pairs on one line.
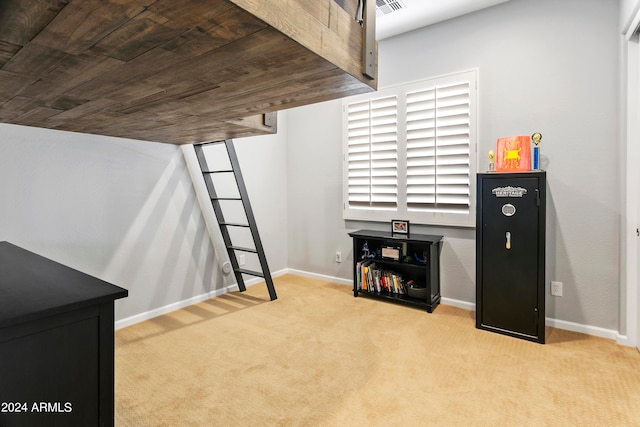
[[508, 237]]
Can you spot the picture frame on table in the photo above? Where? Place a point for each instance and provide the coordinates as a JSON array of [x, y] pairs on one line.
[[399, 227]]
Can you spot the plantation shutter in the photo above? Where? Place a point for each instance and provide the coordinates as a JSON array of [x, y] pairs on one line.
[[421, 148], [410, 152], [438, 149], [372, 135]]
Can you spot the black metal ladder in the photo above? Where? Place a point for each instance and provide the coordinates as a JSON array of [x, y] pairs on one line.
[[225, 226]]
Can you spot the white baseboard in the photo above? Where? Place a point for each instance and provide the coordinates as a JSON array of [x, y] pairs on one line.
[[458, 303], [320, 276], [172, 307], [583, 329], [555, 323], [624, 340], [123, 323]]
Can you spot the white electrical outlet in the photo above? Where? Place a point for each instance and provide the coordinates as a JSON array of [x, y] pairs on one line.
[[556, 289], [338, 256], [241, 260]]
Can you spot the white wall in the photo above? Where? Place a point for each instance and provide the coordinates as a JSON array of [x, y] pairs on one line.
[[545, 66], [316, 229], [263, 160], [126, 211]]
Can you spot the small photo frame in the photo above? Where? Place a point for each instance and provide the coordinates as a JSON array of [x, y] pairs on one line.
[[400, 227], [391, 253]]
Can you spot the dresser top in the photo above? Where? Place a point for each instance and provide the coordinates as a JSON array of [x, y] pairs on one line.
[[33, 287]]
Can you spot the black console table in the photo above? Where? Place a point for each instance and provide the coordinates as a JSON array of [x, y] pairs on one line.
[[56, 343], [397, 268]]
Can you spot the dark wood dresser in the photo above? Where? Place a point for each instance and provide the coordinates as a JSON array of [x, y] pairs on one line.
[[56, 343]]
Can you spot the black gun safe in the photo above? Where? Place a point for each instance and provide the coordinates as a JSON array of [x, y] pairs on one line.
[[510, 254]]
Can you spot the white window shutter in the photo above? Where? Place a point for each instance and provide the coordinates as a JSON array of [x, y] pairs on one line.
[[372, 134], [453, 147], [438, 149], [359, 154], [421, 149], [410, 152]]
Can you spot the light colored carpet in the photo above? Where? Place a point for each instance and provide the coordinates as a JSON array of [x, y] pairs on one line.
[[317, 356]]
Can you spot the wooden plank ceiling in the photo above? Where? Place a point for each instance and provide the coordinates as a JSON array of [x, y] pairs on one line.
[[171, 71]]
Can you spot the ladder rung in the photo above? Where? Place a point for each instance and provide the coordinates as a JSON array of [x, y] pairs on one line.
[[238, 248], [226, 198], [249, 272], [220, 171], [231, 224]]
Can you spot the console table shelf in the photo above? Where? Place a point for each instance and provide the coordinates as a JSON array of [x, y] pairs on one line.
[[415, 259]]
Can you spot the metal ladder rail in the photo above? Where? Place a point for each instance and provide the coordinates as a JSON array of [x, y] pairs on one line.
[[224, 225]]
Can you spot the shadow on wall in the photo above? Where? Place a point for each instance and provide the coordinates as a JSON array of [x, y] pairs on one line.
[[166, 255], [124, 211]]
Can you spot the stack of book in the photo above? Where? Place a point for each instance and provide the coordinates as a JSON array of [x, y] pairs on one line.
[[370, 278]]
